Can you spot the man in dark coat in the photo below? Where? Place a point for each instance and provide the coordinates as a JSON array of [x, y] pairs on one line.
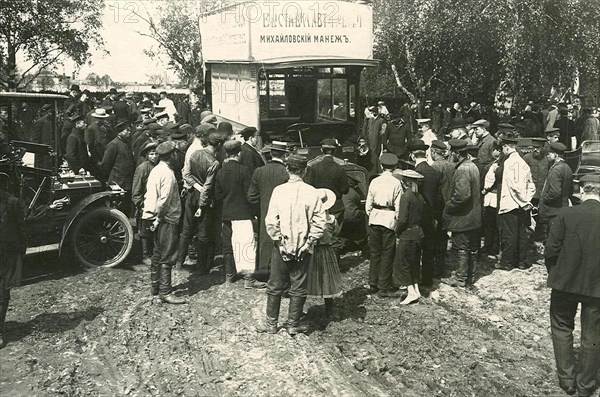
[[431, 192], [566, 127], [118, 163], [42, 132], [326, 173], [462, 215], [558, 187], [76, 152], [396, 137], [446, 171], [485, 141], [121, 109], [249, 156], [97, 136], [355, 217], [264, 180], [376, 130], [573, 261]]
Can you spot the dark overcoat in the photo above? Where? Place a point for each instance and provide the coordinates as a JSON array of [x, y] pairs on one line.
[[326, 173], [250, 157], [557, 190], [118, 163], [463, 210]]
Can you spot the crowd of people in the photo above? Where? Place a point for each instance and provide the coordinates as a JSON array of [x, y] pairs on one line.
[[201, 190]]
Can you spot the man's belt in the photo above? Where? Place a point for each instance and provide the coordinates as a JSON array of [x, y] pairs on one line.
[[383, 207]]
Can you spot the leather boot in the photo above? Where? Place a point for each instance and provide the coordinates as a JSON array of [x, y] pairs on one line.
[[459, 278], [472, 267], [230, 271], [210, 256], [154, 279], [201, 255], [146, 250], [165, 289], [3, 309], [182, 250], [294, 326], [270, 324]]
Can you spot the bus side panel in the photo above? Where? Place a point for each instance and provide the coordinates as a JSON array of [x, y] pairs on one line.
[[235, 93]]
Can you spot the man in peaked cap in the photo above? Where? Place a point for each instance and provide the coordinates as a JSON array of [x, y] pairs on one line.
[[326, 173], [558, 186], [118, 164], [264, 180], [552, 134], [514, 210], [295, 221], [538, 163], [382, 207], [485, 141], [431, 190], [162, 210], [571, 254], [462, 215]]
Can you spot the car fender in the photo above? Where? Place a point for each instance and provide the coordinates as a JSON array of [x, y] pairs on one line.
[[78, 209]]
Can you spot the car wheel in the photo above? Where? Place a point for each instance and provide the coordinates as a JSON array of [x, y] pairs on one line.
[[102, 238]]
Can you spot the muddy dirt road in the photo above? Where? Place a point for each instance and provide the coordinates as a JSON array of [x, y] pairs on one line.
[[99, 333]]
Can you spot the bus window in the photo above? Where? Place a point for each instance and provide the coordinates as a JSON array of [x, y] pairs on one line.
[[352, 99], [339, 99], [324, 98], [332, 98]]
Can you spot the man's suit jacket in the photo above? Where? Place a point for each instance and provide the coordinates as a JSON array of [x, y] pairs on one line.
[[557, 190], [326, 173], [573, 250], [76, 151], [250, 157], [432, 193]]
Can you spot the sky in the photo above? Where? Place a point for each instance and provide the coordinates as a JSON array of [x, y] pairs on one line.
[[127, 61]]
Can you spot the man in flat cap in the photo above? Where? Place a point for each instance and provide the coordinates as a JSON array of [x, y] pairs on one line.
[[162, 210], [558, 186], [462, 215], [203, 167], [552, 135], [485, 141], [382, 207], [514, 210], [118, 164], [572, 256], [249, 155], [431, 190], [439, 153], [325, 173], [264, 180], [76, 152], [295, 221]]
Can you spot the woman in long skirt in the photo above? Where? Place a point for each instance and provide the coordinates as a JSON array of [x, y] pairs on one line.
[[12, 248], [323, 276]]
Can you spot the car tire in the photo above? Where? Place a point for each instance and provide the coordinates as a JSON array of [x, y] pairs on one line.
[[102, 237]]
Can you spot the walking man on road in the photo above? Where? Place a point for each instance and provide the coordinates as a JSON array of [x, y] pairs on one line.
[[573, 261]]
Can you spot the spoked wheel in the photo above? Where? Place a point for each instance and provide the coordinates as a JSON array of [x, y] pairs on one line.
[[102, 238]]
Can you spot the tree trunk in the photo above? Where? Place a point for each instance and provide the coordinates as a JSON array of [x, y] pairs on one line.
[[11, 66]]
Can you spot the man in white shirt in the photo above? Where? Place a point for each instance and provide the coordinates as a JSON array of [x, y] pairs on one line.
[[295, 221], [383, 207], [515, 207], [168, 105]]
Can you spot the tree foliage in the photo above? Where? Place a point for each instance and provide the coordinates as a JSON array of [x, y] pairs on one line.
[[177, 36], [466, 49], [45, 32]]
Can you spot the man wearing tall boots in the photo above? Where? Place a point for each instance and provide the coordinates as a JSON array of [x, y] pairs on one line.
[[162, 209], [573, 261], [295, 221], [383, 208], [514, 210], [325, 173], [445, 169], [203, 169], [462, 215], [432, 193], [557, 188], [264, 180]]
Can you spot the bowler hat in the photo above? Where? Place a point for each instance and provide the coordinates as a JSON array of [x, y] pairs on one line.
[[458, 145], [557, 147], [457, 122], [225, 127], [150, 145], [165, 148], [389, 159], [121, 126], [248, 132], [296, 160], [417, 145]]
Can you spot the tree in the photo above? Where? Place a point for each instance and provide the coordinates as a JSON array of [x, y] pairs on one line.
[[177, 36], [46, 32], [467, 49], [156, 79]]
